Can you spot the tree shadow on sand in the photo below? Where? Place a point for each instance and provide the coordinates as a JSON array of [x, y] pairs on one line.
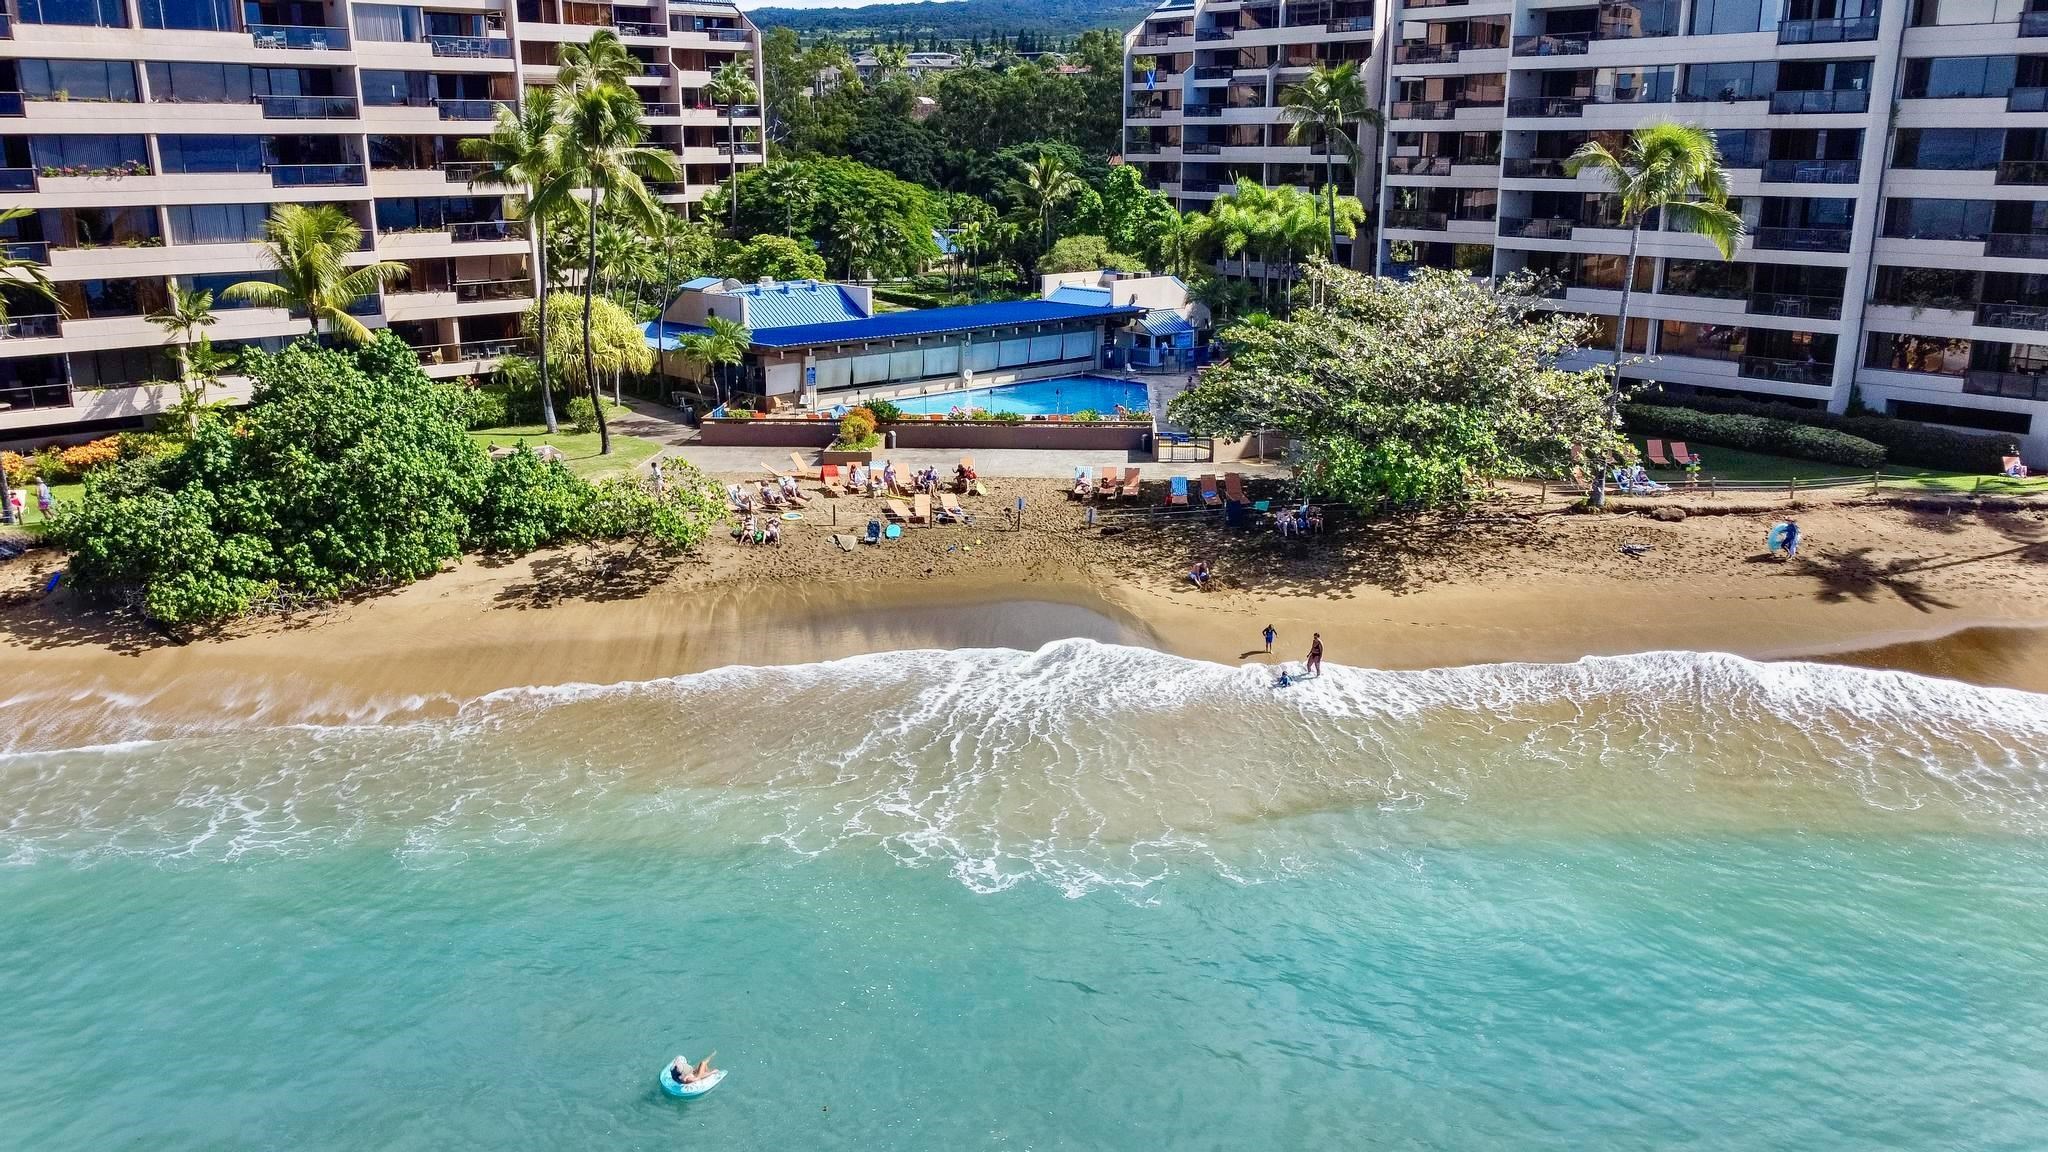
[[589, 576], [1855, 575]]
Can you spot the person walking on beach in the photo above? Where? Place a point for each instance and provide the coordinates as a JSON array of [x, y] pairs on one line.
[[1791, 540], [1269, 634], [1315, 655], [660, 482]]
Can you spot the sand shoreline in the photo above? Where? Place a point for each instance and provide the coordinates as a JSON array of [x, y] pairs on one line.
[[1961, 597]]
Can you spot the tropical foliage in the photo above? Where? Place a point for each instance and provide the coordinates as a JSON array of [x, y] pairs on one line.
[[309, 246]]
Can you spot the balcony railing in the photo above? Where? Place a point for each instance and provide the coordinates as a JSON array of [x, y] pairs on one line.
[[1211, 35], [1819, 100], [1152, 40], [653, 71], [1802, 239], [34, 251], [492, 349], [1814, 372], [464, 171], [1568, 44], [1811, 171], [1795, 305], [315, 175], [2027, 100], [1419, 165], [308, 107], [1351, 24], [1201, 186], [31, 327], [1203, 149], [477, 291], [6, 25], [17, 179], [1212, 72], [1534, 168], [1423, 110], [743, 148], [2030, 316], [471, 47], [2024, 245], [1417, 219], [470, 109], [1426, 53], [638, 28], [2015, 385], [1547, 106], [1833, 30], [1147, 113], [1202, 111], [1543, 228], [315, 38], [1141, 148], [2034, 23], [2023, 172], [12, 104], [727, 35], [479, 231]]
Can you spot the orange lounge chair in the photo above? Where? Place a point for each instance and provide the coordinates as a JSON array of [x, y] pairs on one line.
[[1233, 488], [921, 509], [950, 509], [898, 511], [798, 462], [828, 477], [1681, 456], [1654, 449], [1105, 481], [1131, 483], [1209, 496]]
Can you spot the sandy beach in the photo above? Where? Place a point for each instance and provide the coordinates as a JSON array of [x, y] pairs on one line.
[[1949, 592]]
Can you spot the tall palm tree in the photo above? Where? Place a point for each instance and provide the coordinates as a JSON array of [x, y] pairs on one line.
[[1673, 170], [524, 151], [21, 272], [1323, 105], [1180, 238], [603, 63], [602, 150], [725, 344], [186, 312], [309, 245], [730, 87], [1046, 184]]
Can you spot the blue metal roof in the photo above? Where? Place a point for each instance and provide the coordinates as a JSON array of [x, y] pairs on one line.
[[671, 334], [795, 303], [1075, 294], [701, 283], [1166, 322], [945, 243], [933, 321]]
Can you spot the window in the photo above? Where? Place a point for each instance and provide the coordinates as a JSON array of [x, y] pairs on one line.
[[100, 227], [1634, 85], [1952, 77], [383, 88], [94, 299], [389, 23], [1949, 149], [218, 223], [218, 282], [1742, 147], [88, 80], [1908, 218], [199, 15], [1925, 287], [1722, 17], [199, 83], [120, 367], [1703, 341], [1942, 12], [1720, 279], [1930, 355], [1735, 80], [211, 153], [2017, 423], [92, 154], [84, 13]]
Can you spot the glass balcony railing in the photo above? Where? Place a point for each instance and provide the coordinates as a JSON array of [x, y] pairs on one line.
[[1568, 44], [1211, 35], [1801, 239], [471, 47], [1419, 165], [1547, 106], [1350, 24], [6, 25], [2023, 172], [2022, 245], [481, 231], [1796, 305], [1418, 220], [638, 28], [12, 104], [1201, 187], [308, 107], [1426, 53], [1545, 228], [2027, 100], [34, 251], [1534, 168], [2015, 385], [1833, 30], [478, 291], [31, 327], [17, 179], [1204, 148], [1423, 110], [743, 148], [1818, 101], [316, 175], [2034, 23], [1152, 40], [1818, 373], [316, 38], [1811, 171], [660, 109], [470, 109], [727, 35], [1147, 113], [1212, 72], [2033, 317], [1202, 111]]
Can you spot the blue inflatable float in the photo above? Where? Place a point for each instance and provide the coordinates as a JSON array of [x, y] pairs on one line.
[[674, 1087]]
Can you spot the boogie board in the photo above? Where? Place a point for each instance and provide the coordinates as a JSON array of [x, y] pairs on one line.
[[1779, 533]]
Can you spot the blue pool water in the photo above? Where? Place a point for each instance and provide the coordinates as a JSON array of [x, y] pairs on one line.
[[1064, 396]]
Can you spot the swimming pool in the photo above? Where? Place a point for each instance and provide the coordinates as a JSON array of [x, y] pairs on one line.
[[1061, 397]]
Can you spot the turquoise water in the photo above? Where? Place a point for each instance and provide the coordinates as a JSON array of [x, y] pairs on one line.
[[1061, 397], [1650, 902]]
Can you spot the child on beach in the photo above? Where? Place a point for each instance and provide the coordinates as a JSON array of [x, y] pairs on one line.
[[1269, 634], [45, 503]]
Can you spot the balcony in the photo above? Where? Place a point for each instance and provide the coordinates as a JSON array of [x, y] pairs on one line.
[[1212, 72], [2023, 245], [471, 47], [470, 109], [1534, 168], [316, 175], [743, 148], [1418, 220], [1200, 187], [2033, 317], [2012, 385], [479, 291], [2027, 100], [1147, 113], [1819, 101], [2023, 172], [1212, 35], [1546, 228], [1816, 373], [1141, 148], [308, 107], [31, 327], [33, 251], [483, 231], [654, 109], [316, 38], [1811, 171], [2034, 23], [1796, 306], [1834, 30], [17, 179], [1569, 44], [1423, 110], [492, 349], [1427, 53], [1350, 24], [1802, 239], [1418, 165], [727, 35], [1202, 111], [6, 25], [1547, 106], [638, 28], [1205, 149], [652, 71], [11, 104], [465, 171], [1152, 40]]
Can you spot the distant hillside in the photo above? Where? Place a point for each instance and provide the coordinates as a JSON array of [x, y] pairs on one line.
[[962, 19]]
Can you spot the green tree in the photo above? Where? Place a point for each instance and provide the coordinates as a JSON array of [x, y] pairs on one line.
[[1180, 240], [1674, 170], [730, 87], [21, 272], [185, 312], [613, 344], [1325, 105], [1407, 394], [309, 245], [774, 257], [860, 218], [1045, 185], [524, 152], [723, 344], [1085, 253], [605, 62], [1131, 216]]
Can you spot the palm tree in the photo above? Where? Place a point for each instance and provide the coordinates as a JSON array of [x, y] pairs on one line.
[[187, 311], [725, 344], [1322, 105], [1179, 239], [603, 153], [309, 245], [1673, 170], [603, 63], [1046, 184], [524, 151], [731, 87]]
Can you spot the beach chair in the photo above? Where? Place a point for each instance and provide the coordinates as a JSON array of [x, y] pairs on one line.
[[2013, 467], [874, 531], [1080, 490], [828, 479], [1681, 456], [1105, 482], [1130, 488], [1177, 490], [798, 463], [1233, 488], [769, 469], [896, 509], [1208, 490], [1654, 449], [950, 509], [967, 462], [921, 509]]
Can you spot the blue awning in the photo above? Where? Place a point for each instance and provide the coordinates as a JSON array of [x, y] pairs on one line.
[[667, 336], [1166, 322]]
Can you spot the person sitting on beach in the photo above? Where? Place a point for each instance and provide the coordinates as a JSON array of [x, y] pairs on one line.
[[964, 478], [1642, 482], [1084, 485], [771, 495], [1199, 575], [773, 533], [1283, 522], [889, 476], [791, 492], [682, 1072], [857, 479]]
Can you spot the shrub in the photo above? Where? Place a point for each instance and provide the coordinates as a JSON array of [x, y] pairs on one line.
[[142, 445], [1007, 417], [79, 459], [856, 431], [1086, 415], [1904, 441], [883, 411], [20, 469], [1755, 434], [528, 502], [488, 407], [583, 414]]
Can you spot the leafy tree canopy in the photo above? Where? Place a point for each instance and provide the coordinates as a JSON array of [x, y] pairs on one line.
[[772, 256], [1085, 253], [617, 343], [862, 219]]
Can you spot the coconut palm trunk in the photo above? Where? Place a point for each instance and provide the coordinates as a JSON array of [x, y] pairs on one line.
[[604, 431], [732, 157]]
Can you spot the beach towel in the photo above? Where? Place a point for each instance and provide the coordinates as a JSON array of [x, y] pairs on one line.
[[1177, 490]]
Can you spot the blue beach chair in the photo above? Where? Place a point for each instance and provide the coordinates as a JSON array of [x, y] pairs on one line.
[[874, 531], [1178, 493]]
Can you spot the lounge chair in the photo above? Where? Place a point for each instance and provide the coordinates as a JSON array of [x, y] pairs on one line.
[[874, 531], [950, 509], [896, 509], [799, 464], [921, 509], [1208, 490], [1130, 488], [2012, 466], [828, 479], [1177, 490], [967, 462], [1105, 481], [1654, 449], [1681, 456], [771, 497], [1233, 488], [1083, 484], [769, 469]]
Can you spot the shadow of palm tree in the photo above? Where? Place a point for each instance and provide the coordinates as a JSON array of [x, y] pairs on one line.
[[1854, 575], [602, 575]]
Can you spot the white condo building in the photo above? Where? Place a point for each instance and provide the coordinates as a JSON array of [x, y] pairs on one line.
[[1891, 160], [152, 138]]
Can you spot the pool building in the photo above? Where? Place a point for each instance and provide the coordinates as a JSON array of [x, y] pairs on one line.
[[819, 343]]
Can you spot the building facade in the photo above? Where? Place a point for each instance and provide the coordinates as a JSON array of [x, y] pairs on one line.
[[1890, 160], [151, 139]]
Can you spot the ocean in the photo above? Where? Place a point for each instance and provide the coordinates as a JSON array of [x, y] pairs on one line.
[[1084, 897]]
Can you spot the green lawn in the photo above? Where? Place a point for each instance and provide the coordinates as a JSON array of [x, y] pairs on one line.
[[579, 448], [65, 494], [1735, 464]]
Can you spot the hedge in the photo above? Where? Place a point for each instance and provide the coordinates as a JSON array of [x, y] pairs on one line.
[[1756, 434], [1905, 441]]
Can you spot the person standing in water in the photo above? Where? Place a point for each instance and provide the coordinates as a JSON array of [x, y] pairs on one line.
[[1269, 634], [1315, 655]]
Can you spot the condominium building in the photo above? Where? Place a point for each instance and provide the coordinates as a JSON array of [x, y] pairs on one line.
[[1890, 161], [153, 137]]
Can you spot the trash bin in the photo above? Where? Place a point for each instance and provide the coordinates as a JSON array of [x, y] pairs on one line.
[[889, 439], [690, 415]]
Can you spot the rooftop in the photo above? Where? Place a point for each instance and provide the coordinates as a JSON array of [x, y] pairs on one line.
[[936, 321]]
